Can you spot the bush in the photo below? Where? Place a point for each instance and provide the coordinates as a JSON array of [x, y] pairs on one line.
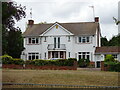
[[18, 61], [6, 59], [72, 59], [109, 58], [113, 66], [59, 62], [83, 62]]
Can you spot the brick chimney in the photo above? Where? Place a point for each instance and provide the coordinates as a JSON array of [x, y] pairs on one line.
[[30, 22], [96, 19]]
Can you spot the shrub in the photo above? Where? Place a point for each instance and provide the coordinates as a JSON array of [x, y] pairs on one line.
[[83, 62], [6, 59], [109, 58], [59, 62], [18, 61], [72, 59], [113, 66]]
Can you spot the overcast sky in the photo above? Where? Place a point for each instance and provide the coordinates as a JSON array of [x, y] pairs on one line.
[[64, 11]]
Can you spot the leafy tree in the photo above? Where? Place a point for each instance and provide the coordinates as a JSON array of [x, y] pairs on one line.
[[115, 41], [11, 12], [109, 58], [104, 41]]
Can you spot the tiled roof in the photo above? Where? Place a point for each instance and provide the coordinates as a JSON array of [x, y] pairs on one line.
[[108, 49], [81, 28]]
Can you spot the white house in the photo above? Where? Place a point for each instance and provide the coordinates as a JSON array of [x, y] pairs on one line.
[[61, 40]]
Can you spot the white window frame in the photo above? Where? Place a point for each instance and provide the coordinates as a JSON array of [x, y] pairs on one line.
[[83, 39], [33, 38], [86, 54], [31, 54]]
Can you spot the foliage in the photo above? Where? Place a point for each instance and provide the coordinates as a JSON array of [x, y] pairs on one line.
[[72, 59], [104, 41], [109, 58], [11, 36], [83, 62], [114, 41], [6, 59], [59, 62], [113, 66]]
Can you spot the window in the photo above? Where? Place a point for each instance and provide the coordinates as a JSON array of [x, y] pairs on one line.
[[54, 42], [84, 55], [58, 42], [115, 56], [69, 54], [32, 56], [68, 38], [33, 40], [45, 39], [84, 39], [45, 55]]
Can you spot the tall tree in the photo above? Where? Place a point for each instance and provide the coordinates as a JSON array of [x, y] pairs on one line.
[[115, 41], [104, 41], [11, 36]]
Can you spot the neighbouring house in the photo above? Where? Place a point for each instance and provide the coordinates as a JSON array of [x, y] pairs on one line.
[[101, 52], [61, 40]]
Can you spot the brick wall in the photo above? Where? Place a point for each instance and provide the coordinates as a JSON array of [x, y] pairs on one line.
[[13, 66]]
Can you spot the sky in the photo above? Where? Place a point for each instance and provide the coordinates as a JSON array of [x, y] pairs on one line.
[[65, 11]]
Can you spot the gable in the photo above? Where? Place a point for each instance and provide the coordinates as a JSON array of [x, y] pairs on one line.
[[56, 29]]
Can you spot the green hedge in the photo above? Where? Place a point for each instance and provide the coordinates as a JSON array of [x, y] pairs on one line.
[[59, 62], [83, 62], [113, 66], [6, 59]]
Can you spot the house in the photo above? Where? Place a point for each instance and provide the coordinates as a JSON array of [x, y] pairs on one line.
[[101, 52], [61, 40]]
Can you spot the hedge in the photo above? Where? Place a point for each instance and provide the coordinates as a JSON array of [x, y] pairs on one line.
[[113, 66], [59, 62], [6, 59], [83, 62]]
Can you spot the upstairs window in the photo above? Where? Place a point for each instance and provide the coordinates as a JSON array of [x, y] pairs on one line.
[[33, 41], [84, 39]]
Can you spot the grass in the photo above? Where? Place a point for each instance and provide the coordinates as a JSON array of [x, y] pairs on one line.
[[67, 77]]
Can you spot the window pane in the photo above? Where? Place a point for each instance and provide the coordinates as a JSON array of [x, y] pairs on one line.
[[79, 39], [83, 56], [33, 41], [54, 42], [88, 57], [37, 57], [79, 52], [29, 58], [87, 39], [29, 40], [83, 40], [80, 57], [36, 40], [58, 42], [33, 56]]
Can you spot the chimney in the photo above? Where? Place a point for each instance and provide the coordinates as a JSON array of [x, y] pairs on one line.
[[30, 22], [96, 19]]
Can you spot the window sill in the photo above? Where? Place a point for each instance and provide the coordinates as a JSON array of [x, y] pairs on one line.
[[84, 43], [33, 44]]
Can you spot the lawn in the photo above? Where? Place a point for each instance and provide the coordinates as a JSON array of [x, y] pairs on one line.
[[67, 77]]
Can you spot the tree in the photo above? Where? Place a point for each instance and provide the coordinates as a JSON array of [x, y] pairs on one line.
[[11, 36], [104, 41], [115, 41]]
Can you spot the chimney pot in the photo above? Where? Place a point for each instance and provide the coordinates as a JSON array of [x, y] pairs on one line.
[[30, 22], [96, 19]]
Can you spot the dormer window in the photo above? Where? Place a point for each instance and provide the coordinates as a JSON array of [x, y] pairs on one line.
[[84, 39], [33, 41]]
